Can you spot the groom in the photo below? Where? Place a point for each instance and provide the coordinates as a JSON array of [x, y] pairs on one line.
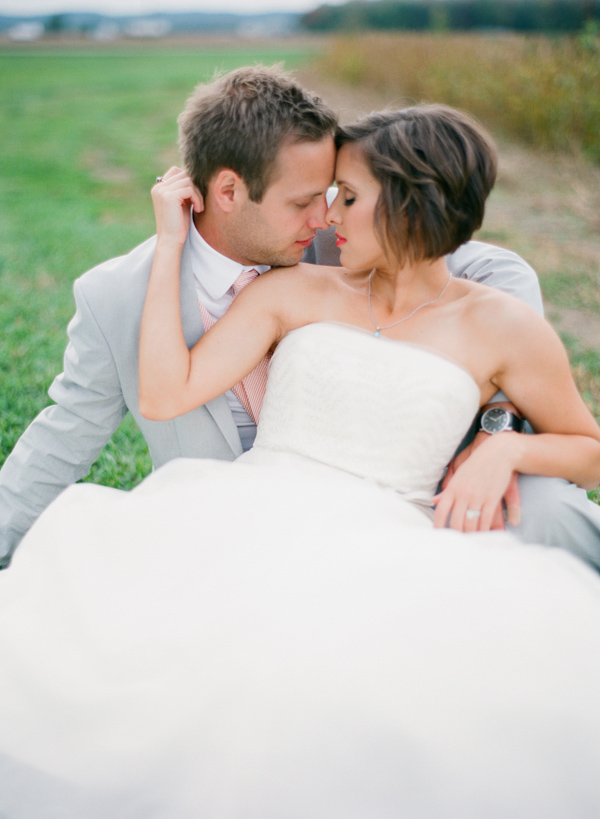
[[247, 128]]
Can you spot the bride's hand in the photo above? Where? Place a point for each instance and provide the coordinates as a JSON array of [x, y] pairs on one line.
[[479, 478], [173, 198], [511, 499]]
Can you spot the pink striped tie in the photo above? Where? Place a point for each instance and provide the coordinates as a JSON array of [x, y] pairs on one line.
[[251, 389]]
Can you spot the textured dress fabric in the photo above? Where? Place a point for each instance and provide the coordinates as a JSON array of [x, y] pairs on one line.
[[287, 636]]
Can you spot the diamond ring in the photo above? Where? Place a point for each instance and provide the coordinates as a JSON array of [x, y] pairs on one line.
[[159, 179], [473, 514]]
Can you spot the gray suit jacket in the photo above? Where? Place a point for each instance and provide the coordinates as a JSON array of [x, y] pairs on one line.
[[99, 384]]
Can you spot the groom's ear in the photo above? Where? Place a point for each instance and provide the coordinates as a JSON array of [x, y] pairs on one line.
[[228, 189]]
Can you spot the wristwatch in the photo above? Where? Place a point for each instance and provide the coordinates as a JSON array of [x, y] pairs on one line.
[[497, 419]]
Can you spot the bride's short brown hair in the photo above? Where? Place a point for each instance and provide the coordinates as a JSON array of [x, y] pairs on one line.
[[436, 166]]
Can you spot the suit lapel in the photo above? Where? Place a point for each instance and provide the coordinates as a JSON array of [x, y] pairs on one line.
[[193, 329]]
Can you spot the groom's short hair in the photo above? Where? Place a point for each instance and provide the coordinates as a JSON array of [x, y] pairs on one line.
[[436, 166], [241, 120]]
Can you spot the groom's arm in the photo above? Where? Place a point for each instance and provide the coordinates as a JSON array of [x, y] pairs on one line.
[[61, 444], [499, 268]]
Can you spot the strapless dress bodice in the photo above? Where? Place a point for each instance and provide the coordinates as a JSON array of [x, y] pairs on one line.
[[384, 410]]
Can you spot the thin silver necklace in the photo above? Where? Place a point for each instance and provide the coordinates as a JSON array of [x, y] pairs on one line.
[[378, 328]]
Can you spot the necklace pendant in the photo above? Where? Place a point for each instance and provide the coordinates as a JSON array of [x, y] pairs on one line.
[[376, 333]]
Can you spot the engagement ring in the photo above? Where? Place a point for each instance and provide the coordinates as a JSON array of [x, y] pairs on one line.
[[472, 514], [159, 179]]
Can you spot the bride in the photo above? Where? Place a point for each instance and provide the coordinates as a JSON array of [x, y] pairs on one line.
[[294, 634], [412, 188]]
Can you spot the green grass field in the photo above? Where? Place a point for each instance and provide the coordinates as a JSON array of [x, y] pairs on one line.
[[84, 135]]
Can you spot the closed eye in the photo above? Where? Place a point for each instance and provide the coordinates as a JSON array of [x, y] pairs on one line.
[[347, 197]]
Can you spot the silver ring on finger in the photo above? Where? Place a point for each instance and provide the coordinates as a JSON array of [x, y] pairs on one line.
[[159, 179], [473, 514]]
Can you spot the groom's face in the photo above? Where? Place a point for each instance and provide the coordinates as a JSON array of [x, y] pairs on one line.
[[277, 230]]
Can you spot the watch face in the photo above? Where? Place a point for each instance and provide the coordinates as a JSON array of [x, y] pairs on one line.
[[495, 420]]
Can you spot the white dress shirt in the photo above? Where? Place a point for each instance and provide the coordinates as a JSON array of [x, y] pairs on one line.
[[214, 275]]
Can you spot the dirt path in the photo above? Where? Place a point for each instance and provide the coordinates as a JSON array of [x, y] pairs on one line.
[[545, 207]]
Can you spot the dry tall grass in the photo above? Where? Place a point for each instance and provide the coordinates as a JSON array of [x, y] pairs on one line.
[[544, 92]]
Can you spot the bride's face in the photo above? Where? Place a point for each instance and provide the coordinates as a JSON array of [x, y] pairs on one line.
[[353, 212]]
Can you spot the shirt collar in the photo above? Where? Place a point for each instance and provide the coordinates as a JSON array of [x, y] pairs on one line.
[[215, 272]]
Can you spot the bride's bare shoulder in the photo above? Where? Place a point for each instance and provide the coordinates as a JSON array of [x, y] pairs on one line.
[[494, 311], [303, 275]]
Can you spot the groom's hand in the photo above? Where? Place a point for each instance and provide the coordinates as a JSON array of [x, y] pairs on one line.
[[511, 499]]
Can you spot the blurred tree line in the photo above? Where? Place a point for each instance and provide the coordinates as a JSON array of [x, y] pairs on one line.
[[455, 15]]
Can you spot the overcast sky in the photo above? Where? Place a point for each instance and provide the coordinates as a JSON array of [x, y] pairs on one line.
[[26, 7]]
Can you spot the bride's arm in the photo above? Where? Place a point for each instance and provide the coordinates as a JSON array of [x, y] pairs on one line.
[[540, 383], [568, 441], [173, 379]]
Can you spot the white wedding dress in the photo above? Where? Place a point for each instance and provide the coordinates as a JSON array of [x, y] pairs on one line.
[[287, 637]]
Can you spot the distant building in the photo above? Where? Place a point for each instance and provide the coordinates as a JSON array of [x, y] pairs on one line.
[[26, 32], [148, 27], [265, 27], [105, 32]]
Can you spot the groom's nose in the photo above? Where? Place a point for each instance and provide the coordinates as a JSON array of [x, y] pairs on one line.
[[316, 220]]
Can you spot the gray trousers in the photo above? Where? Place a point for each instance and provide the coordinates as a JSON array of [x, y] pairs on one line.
[[555, 512]]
